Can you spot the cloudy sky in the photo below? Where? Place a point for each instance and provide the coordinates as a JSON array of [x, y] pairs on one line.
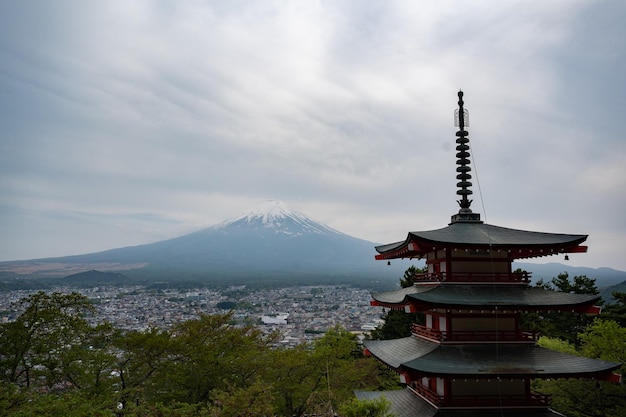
[[124, 123]]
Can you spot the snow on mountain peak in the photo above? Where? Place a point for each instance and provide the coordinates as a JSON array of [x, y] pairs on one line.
[[279, 216], [271, 210]]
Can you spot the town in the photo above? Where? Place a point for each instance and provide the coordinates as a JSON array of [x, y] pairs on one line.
[[299, 313]]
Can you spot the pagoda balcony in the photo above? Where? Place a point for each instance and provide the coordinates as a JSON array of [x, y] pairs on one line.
[[532, 400], [468, 336], [473, 277]]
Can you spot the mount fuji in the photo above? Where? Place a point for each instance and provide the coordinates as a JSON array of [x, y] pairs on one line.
[[270, 244]]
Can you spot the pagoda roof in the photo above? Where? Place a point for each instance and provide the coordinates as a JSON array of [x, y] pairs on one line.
[[395, 352], [463, 235], [484, 297], [485, 360], [405, 403]]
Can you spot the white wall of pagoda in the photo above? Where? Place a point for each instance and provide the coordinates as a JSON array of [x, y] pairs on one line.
[[441, 390]]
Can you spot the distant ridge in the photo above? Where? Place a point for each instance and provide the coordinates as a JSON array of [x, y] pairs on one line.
[[271, 244], [605, 277], [94, 278]]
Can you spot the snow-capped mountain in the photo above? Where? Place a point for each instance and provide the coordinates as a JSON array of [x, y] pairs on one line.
[[278, 217], [271, 243]]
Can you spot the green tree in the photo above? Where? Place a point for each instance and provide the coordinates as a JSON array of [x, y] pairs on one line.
[[334, 355], [408, 279], [295, 376], [253, 400], [561, 325], [143, 355], [343, 368], [366, 408], [616, 311], [32, 347], [604, 340], [88, 365], [66, 405], [189, 361], [397, 323], [557, 344]]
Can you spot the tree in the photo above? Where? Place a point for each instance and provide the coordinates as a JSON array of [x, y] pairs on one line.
[[366, 408], [562, 325], [334, 355], [397, 323], [88, 366], [254, 400], [32, 347], [604, 340], [143, 356], [616, 311], [294, 376]]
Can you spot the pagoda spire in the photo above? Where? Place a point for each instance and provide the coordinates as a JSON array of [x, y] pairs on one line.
[[463, 169]]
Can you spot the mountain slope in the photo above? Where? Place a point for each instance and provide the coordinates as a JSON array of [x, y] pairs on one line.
[[270, 242]]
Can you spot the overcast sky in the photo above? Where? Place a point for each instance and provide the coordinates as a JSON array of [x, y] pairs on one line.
[[129, 122]]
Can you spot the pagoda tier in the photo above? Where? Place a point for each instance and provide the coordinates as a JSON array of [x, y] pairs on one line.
[[466, 239], [481, 376], [484, 298], [406, 403], [415, 358]]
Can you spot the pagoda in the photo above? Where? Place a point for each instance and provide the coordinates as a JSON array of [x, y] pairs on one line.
[[471, 357]]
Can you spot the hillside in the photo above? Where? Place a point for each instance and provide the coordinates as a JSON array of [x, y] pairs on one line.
[[269, 245]]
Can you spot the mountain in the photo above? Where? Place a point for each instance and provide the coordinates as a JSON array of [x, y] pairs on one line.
[[607, 292], [270, 244], [93, 278], [604, 277]]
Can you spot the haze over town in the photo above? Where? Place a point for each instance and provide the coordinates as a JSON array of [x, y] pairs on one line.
[[129, 123]]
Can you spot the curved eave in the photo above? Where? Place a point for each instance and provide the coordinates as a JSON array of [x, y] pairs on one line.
[[405, 403], [509, 361], [395, 299], [398, 351], [520, 244], [488, 297]]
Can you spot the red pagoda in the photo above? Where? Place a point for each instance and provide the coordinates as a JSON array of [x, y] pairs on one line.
[[471, 357]]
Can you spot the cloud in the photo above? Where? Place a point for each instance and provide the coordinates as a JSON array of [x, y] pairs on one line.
[[192, 112]]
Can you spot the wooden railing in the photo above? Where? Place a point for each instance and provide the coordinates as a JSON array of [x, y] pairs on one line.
[[473, 336], [496, 277], [534, 399]]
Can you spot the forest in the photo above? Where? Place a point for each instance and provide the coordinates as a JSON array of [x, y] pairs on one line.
[[52, 362]]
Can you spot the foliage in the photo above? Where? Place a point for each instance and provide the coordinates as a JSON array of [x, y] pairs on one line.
[[366, 408], [561, 325], [255, 400], [408, 279], [52, 359], [557, 344], [294, 376], [35, 347], [397, 323], [341, 368], [617, 310], [604, 340]]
